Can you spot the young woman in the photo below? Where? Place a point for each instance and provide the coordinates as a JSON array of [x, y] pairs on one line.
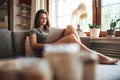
[[40, 31]]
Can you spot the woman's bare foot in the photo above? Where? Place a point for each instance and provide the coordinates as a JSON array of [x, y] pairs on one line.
[[108, 60]]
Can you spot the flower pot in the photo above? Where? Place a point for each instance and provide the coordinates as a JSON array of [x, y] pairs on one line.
[[94, 32], [110, 33]]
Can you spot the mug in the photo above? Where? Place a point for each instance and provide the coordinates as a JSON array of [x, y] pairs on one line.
[[64, 61]]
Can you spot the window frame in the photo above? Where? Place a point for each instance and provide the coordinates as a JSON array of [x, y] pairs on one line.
[[96, 16], [97, 12]]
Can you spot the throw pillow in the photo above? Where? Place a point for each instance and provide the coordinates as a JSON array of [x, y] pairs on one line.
[[28, 48]]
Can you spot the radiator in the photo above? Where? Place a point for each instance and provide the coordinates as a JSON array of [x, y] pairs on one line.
[[106, 46]]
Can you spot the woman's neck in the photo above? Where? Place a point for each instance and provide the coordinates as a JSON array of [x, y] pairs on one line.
[[41, 27]]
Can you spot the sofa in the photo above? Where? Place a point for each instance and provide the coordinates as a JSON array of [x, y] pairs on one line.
[[12, 45]]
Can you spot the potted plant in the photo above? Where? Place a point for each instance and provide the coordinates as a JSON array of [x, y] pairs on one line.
[[94, 30], [111, 31]]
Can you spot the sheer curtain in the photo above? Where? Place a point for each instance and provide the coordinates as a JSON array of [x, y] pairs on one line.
[[61, 13], [36, 5]]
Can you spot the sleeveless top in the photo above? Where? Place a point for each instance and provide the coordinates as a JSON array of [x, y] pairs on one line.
[[41, 34]]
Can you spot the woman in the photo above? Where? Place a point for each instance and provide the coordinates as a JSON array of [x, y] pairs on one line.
[[40, 31]]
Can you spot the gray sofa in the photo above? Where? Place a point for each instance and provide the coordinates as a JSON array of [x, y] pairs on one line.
[[12, 43]]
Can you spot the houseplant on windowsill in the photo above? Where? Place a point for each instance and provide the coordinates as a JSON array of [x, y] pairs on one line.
[[94, 30], [111, 31]]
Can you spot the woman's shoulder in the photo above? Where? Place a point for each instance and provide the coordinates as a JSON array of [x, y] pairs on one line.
[[34, 30]]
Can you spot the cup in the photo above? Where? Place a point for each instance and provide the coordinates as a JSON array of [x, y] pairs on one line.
[[36, 69], [64, 61], [25, 69], [90, 61], [10, 69]]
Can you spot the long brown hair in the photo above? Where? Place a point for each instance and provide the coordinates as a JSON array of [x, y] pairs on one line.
[[37, 20]]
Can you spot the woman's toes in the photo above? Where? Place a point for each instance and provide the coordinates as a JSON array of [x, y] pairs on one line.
[[114, 61], [109, 61]]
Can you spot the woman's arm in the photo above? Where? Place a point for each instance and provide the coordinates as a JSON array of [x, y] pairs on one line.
[[34, 44]]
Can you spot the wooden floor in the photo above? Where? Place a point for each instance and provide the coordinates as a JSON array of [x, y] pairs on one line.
[[108, 72]]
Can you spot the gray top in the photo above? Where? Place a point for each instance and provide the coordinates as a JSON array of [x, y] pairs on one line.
[[41, 34]]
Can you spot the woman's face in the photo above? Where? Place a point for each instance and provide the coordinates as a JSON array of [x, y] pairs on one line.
[[43, 19]]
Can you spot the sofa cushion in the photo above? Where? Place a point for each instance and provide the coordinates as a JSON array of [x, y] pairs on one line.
[[29, 51], [6, 50], [18, 38]]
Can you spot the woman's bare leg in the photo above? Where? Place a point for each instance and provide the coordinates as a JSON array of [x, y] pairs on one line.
[[67, 39], [71, 30], [72, 39]]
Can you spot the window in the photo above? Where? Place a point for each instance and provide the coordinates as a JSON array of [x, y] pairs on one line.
[[100, 12], [110, 10], [61, 13]]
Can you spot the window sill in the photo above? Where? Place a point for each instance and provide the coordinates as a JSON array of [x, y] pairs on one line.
[[106, 40], [104, 34]]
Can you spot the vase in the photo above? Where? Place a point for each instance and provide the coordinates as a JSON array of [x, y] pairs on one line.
[[110, 33], [94, 33], [78, 29], [80, 32]]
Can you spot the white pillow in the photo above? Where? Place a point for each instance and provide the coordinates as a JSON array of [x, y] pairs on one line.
[[54, 34]]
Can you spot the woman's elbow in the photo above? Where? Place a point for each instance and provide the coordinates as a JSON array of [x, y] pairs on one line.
[[36, 46], [33, 46]]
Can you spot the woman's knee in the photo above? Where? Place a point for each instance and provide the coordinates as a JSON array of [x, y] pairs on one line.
[[69, 27]]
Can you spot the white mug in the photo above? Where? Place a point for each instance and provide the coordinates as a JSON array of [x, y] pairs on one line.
[[64, 60]]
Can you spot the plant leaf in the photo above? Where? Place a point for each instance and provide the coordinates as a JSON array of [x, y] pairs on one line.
[[117, 20], [94, 26], [114, 24]]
